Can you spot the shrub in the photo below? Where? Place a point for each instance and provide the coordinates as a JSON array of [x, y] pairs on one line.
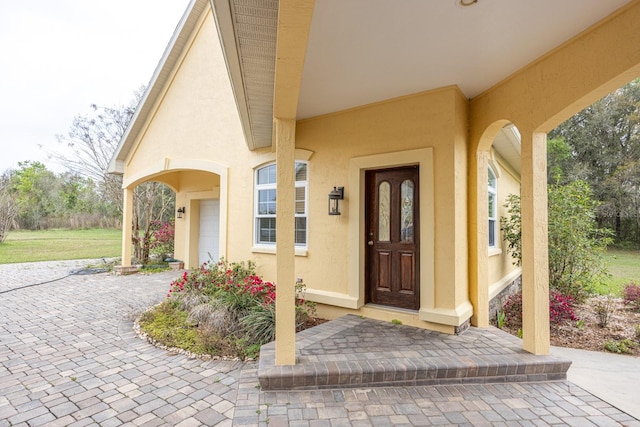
[[212, 278], [560, 310], [623, 346], [162, 238], [232, 308], [576, 244], [168, 324], [604, 308], [632, 296]]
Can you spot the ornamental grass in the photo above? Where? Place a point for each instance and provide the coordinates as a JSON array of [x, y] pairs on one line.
[[230, 309]]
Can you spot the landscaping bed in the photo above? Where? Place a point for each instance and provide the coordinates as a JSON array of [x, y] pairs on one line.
[[587, 334]]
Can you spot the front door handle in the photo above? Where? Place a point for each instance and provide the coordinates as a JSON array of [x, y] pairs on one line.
[[370, 243]]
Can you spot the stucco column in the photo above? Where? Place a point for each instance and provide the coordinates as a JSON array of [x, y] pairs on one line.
[[478, 238], [127, 221], [285, 242], [535, 262]]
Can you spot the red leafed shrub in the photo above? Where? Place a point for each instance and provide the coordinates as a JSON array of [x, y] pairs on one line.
[[162, 238], [246, 301], [632, 296], [560, 309]]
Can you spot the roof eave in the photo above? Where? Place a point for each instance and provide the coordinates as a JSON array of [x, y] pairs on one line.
[[253, 96], [156, 85]]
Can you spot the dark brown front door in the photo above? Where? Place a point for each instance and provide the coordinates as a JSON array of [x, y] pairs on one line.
[[392, 237]]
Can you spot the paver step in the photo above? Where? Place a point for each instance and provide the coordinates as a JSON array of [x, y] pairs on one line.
[[355, 352]]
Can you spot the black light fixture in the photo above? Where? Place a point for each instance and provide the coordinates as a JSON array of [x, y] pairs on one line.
[[334, 196], [181, 211]]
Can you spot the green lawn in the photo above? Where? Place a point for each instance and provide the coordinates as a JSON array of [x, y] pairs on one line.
[[54, 245], [624, 267]]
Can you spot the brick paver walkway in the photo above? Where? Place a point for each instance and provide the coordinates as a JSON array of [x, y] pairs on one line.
[[69, 357]]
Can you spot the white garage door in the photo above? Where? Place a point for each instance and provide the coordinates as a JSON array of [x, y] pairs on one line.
[[209, 230]]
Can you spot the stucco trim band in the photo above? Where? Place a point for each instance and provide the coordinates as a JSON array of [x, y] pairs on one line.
[[446, 316], [331, 298], [423, 157]]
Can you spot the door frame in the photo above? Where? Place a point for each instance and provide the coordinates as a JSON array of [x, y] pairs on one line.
[[422, 157], [216, 209], [392, 297], [192, 229]]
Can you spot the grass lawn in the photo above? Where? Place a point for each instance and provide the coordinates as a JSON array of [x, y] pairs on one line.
[[54, 245], [624, 267]]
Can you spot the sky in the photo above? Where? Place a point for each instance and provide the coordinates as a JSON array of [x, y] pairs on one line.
[[57, 57]]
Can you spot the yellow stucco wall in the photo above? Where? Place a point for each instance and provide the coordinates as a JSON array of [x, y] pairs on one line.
[[435, 120], [196, 117], [193, 141], [537, 98], [192, 138], [196, 120]]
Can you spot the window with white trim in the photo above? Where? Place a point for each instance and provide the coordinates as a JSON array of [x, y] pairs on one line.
[[493, 207], [265, 204]]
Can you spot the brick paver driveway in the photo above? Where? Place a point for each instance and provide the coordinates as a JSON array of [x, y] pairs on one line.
[[69, 357]]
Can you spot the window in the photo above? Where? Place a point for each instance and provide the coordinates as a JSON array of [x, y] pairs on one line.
[[265, 204], [493, 208]]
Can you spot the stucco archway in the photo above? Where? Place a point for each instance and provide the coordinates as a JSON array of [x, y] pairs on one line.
[[193, 181]]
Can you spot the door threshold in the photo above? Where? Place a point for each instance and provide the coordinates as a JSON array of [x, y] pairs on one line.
[[391, 308]]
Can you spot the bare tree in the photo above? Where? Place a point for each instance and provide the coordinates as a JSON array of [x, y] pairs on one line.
[[8, 206], [93, 139]]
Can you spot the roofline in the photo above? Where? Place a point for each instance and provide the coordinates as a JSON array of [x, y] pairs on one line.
[[223, 17], [171, 56]]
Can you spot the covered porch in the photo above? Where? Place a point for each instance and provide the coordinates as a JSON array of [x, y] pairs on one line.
[[359, 352], [495, 56]]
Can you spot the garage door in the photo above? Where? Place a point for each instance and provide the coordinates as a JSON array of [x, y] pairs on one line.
[[209, 230]]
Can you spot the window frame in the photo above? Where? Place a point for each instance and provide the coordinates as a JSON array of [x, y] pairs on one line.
[[272, 186], [492, 221]]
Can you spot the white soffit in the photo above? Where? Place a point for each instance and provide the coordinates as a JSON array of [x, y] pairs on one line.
[[248, 30], [363, 51]]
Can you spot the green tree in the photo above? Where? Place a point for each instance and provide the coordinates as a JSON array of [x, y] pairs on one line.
[[576, 243], [35, 189], [604, 143], [8, 205], [560, 163]]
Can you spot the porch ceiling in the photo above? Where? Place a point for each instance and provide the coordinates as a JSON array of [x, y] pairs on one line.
[[364, 51]]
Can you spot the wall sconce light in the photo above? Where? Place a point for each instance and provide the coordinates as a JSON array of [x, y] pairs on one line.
[[181, 211], [334, 196]]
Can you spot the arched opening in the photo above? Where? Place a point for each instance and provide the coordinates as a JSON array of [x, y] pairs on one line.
[[198, 211], [497, 159], [152, 234]]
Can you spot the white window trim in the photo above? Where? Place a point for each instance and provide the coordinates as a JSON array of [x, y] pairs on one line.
[[256, 205], [268, 247], [494, 191]]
